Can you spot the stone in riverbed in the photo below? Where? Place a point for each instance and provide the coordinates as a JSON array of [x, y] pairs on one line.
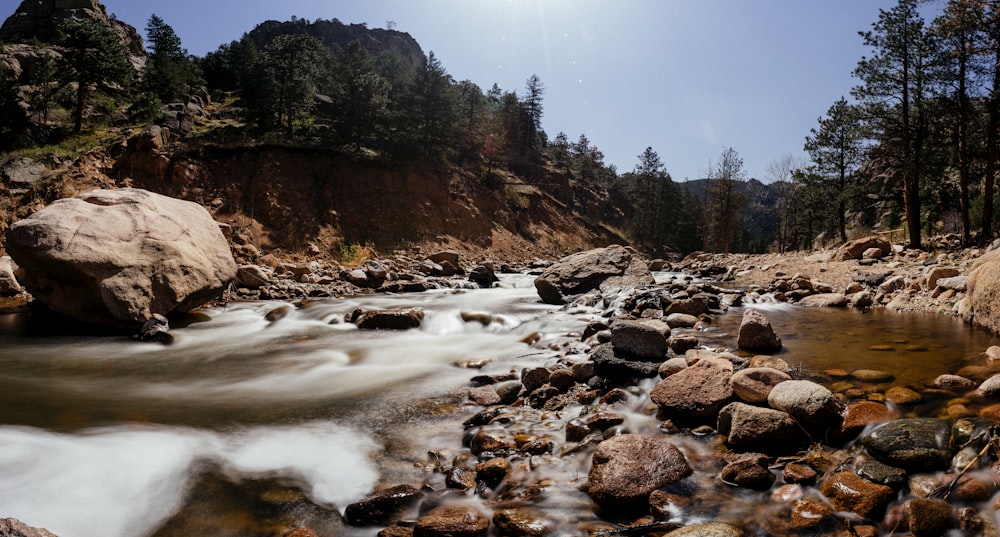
[[696, 392], [116, 257], [382, 508], [397, 319], [625, 469], [610, 366], [523, 521], [753, 428], [754, 384], [914, 444], [709, 529], [825, 300], [928, 518], [811, 404], [612, 267], [643, 340], [756, 334], [748, 471], [848, 492], [452, 521]]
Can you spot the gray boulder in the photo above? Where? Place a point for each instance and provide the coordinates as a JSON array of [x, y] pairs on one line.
[[117, 257], [612, 267], [644, 340], [8, 280], [811, 404], [753, 428]]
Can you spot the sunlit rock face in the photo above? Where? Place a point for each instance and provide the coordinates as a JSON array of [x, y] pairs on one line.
[[118, 257]]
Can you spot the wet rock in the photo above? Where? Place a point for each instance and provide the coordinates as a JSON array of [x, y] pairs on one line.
[[452, 521], [534, 378], [810, 516], [901, 395], [871, 375], [483, 276], [697, 392], [990, 388], [881, 473], [522, 521], [156, 329], [913, 444], [612, 267], [461, 478], [382, 508], [396, 531], [625, 469], [754, 384], [825, 300], [799, 474], [489, 442], [928, 518], [752, 428], [848, 492], [610, 366], [395, 319], [859, 415], [484, 395], [811, 404], [671, 366], [644, 340], [493, 471], [116, 257], [750, 471], [710, 529], [971, 489], [756, 334], [764, 360], [954, 383], [562, 379]]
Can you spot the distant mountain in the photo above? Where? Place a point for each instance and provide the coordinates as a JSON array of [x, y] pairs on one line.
[[37, 20]]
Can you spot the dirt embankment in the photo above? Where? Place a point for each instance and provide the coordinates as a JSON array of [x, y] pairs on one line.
[[297, 202]]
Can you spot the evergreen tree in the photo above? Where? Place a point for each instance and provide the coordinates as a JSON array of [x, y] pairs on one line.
[[294, 62], [170, 74], [894, 88], [12, 116], [435, 105], [837, 149], [94, 57], [532, 112], [724, 202]]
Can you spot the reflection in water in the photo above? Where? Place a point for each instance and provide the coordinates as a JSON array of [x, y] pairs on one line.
[[107, 436]]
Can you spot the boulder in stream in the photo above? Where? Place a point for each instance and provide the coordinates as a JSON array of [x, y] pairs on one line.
[[756, 334], [614, 266], [117, 257], [625, 469], [914, 444]]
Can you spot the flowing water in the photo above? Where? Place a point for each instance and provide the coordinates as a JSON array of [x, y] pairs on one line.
[[110, 437]]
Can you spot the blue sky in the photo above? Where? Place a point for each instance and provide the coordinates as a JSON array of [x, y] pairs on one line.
[[689, 78]]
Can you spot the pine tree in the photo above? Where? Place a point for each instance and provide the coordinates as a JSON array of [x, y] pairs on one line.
[[94, 57], [837, 149]]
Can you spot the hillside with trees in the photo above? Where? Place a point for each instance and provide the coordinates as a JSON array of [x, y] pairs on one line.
[[914, 149]]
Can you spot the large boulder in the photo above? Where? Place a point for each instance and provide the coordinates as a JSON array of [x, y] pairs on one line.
[[984, 292], [756, 334], [627, 468], [696, 392], [118, 257], [855, 249], [614, 266]]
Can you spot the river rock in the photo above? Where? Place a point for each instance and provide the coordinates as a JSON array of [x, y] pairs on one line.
[[682, 343], [452, 521], [849, 492], [954, 383], [754, 384], [382, 508], [880, 472], [914, 444], [753, 428], [990, 388], [709, 529], [756, 334], [612, 267], [928, 518], [394, 319], [748, 471], [859, 415], [8, 281], [855, 249], [644, 340], [625, 469], [483, 276], [825, 300], [118, 256], [610, 366], [811, 404], [681, 320], [696, 392], [251, 276], [523, 521]]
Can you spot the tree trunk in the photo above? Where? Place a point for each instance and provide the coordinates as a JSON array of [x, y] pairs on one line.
[[81, 97]]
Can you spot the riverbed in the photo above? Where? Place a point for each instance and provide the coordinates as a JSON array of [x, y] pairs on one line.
[[263, 416]]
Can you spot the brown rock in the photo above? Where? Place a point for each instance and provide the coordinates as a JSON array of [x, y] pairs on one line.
[[452, 521], [756, 334], [902, 395], [848, 492], [382, 508], [984, 292], [697, 392], [523, 521], [396, 319], [625, 469], [119, 256], [855, 249], [809, 515], [928, 518], [861, 414], [754, 384], [799, 473], [12, 527], [493, 471]]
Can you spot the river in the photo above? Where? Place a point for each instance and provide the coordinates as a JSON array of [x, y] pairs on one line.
[[107, 436]]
